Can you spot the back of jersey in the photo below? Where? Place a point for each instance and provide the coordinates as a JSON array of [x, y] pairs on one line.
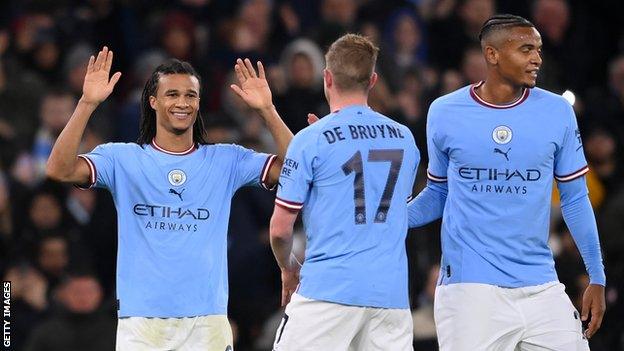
[[352, 173]]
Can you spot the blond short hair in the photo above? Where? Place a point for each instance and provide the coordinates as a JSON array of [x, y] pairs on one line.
[[351, 60]]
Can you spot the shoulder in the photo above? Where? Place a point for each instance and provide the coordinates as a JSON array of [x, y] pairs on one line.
[[544, 96], [556, 105], [119, 148], [450, 101], [225, 149], [458, 96]]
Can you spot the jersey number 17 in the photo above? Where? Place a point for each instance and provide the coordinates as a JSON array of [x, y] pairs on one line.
[[355, 164]]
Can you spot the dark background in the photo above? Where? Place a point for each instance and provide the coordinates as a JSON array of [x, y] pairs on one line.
[[58, 244]]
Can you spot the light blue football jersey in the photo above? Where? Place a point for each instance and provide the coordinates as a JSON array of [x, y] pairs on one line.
[[172, 214], [499, 162], [352, 172]]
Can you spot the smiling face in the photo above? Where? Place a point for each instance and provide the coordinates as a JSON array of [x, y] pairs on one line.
[[176, 103], [517, 56]]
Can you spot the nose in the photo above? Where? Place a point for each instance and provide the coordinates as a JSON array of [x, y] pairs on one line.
[[182, 101], [536, 58]]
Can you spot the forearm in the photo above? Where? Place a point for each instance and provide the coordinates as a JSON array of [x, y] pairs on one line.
[[281, 236], [282, 249], [428, 205], [579, 217], [278, 129], [63, 158]]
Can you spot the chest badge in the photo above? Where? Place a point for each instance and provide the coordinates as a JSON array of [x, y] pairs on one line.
[[176, 177], [502, 135]]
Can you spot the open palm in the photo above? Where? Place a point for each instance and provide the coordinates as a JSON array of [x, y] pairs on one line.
[[97, 84], [252, 88]]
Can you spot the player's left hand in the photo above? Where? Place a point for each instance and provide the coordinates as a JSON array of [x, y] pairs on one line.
[[593, 305], [253, 88], [312, 118]]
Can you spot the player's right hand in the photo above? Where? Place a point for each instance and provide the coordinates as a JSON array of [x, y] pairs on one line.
[[290, 279], [97, 85], [593, 308]]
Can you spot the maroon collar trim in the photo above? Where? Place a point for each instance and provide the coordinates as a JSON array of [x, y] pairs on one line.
[[175, 153], [477, 98]]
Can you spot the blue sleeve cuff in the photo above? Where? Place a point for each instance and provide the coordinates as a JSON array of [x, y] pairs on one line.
[[428, 205]]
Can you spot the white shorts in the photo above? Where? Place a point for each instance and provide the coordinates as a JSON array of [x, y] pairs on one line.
[[206, 333], [311, 325], [471, 317]]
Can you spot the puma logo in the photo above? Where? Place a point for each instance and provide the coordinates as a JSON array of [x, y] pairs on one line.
[[173, 191], [499, 151]]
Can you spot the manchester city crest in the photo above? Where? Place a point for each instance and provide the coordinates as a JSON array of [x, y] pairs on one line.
[[502, 135], [176, 177]]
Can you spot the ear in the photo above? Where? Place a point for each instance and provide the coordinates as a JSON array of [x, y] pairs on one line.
[[373, 80], [152, 101], [328, 78], [491, 55]]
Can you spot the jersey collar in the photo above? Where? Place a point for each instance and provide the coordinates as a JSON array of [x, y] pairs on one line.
[[477, 98], [175, 153]]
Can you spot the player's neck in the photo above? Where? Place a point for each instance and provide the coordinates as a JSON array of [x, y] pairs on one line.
[[498, 92], [172, 142], [340, 101]]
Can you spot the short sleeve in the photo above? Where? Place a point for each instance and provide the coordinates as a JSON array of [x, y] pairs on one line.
[[570, 160], [101, 163], [438, 158], [252, 168], [297, 172]]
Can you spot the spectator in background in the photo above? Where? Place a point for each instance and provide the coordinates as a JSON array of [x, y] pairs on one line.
[[28, 301], [46, 216], [46, 56], [450, 81], [178, 37], [251, 30], [27, 31], [606, 106], [45, 44], [460, 27], [56, 108], [80, 323], [561, 70], [404, 47], [302, 65], [410, 98], [337, 17], [20, 91], [600, 147], [473, 67], [53, 258]]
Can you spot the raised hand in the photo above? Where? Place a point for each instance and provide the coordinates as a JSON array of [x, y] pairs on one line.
[[97, 85], [253, 88]]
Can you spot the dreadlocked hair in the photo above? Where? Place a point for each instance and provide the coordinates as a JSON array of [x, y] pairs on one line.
[[502, 21], [147, 130]]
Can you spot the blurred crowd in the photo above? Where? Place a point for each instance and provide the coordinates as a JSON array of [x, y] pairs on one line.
[[58, 243]]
